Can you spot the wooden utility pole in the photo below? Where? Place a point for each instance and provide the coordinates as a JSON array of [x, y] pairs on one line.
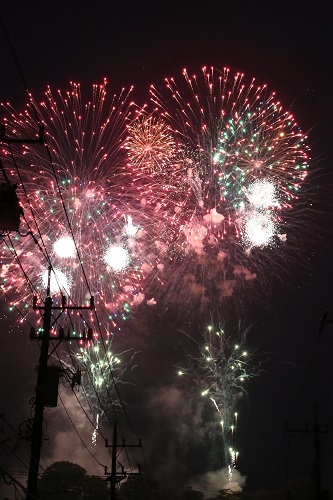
[[115, 476], [316, 431], [37, 429]]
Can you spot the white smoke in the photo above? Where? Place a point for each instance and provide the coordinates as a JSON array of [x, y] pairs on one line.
[[222, 479]]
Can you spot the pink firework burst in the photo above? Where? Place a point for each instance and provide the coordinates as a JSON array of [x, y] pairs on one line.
[[227, 185], [78, 215]]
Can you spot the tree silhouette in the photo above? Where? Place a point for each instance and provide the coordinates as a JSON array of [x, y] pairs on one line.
[[68, 481]]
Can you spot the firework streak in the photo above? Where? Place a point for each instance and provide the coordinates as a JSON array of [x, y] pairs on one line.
[[218, 164]]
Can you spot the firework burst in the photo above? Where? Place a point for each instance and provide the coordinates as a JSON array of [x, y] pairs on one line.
[[78, 215], [102, 370], [226, 186], [222, 372], [151, 143]]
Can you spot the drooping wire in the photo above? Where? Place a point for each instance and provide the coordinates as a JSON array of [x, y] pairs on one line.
[[75, 429]]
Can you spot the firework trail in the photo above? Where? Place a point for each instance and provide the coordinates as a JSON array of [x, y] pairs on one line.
[[222, 163], [102, 371], [222, 372], [78, 214]]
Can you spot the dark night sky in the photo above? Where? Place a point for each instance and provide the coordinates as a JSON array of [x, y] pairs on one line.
[[289, 47]]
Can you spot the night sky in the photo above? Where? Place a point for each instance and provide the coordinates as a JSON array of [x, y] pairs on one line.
[[290, 49]]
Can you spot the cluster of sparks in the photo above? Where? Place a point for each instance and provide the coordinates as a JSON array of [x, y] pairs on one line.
[[222, 372], [122, 192], [77, 215], [220, 136], [179, 193], [102, 369], [217, 162]]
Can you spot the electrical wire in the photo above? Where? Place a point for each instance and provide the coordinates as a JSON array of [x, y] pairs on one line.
[[43, 250], [78, 434]]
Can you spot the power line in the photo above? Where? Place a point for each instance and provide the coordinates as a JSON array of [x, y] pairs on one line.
[[48, 316], [316, 431]]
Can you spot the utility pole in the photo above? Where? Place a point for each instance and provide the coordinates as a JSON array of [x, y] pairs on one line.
[[316, 431], [37, 429], [117, 477], [36, 438]]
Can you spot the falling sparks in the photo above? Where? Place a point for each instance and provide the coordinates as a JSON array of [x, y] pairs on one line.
[[222, 373]]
